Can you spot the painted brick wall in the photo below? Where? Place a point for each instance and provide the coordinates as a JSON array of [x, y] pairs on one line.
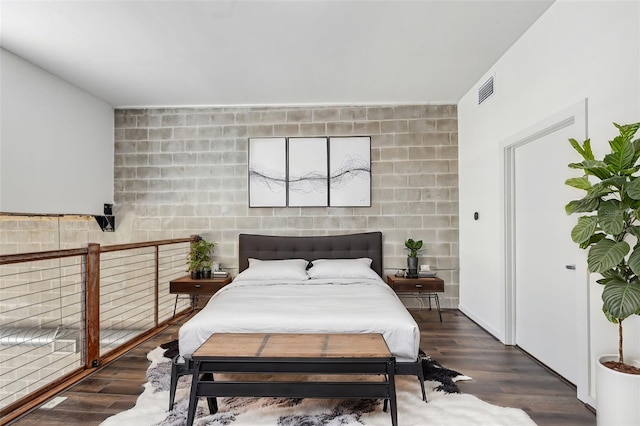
[[183, 171]]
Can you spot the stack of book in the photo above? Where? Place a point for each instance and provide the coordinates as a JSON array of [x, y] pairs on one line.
[[219, 274], [426, 274]]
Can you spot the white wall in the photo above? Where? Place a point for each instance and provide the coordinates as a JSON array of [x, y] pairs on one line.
[[576, 50], [56, 143]]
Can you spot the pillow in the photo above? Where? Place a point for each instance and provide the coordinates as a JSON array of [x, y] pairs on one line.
[[342, 268], [286, 270]]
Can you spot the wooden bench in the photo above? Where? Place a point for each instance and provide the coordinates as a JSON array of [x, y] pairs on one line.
[[346, 354]]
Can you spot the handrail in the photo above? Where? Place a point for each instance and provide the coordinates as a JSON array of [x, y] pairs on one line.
[[130, 246], [7, 259]]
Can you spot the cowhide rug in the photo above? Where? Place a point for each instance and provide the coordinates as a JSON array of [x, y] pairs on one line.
[[446, 405]]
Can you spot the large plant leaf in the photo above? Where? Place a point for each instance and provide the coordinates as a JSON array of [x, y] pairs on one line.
[[579, 182], [608, 315], [593, 167], [635, 231], [634, 261], [621, 299], [614, 181], [633, 189], [618, 143], [584, 229], [627, 130], [582, 206], [610, 275], [611, 216], [594, 239], [636, 148], [584, 150], [606, 254], [632, 170], [600, 189], [622, 155]]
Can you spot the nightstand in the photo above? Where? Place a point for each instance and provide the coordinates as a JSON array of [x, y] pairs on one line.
[[428, 286], [203, 286]]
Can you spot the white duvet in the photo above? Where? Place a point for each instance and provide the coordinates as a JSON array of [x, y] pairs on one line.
[[310, 306]]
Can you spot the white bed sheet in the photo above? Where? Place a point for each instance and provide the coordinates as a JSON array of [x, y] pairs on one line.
[[311, 306]]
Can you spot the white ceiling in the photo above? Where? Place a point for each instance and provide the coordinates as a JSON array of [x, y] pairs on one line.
[[161, 53]]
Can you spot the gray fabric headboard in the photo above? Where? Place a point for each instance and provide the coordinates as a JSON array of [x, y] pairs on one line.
[[351, 246]]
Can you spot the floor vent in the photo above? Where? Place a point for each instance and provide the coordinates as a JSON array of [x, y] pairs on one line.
[[55, 401], [485, 91]]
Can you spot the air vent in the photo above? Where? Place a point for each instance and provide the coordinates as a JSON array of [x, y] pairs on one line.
[[65, 346], [485, 91]]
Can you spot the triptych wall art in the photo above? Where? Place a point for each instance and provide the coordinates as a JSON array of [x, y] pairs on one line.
[[310, 172]]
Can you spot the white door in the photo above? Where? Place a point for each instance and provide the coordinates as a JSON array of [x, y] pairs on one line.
[[550, 296], [545, 288]]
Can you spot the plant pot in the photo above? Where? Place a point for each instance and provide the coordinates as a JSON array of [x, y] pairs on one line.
[[412, 266], [195, 275], [206, 273], [617, 395]]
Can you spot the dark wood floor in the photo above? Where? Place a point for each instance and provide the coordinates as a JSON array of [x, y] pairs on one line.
[[502, 375]]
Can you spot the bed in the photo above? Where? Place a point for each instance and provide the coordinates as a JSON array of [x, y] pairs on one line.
[[313, 284]]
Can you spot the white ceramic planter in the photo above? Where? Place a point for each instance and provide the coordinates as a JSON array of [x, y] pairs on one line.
[[617, 395]]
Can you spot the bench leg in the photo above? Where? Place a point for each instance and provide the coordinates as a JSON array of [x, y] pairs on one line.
[[193, 399], [392, 395], [178, 369], [421, 380], [211, 400], [173, 385], [213, 404]]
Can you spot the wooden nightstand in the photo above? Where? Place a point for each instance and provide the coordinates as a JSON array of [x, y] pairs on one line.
[[429, 286], [203, 286]]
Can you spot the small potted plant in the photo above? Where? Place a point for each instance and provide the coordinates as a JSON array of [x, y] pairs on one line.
[[412, 260], [206, 269], [611, 232], [199, 257]]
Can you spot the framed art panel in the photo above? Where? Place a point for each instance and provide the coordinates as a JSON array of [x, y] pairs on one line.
[[267, 172], [350, 171], [307, 172]]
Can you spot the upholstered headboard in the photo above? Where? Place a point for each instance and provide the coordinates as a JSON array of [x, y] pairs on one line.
[[351, 246]]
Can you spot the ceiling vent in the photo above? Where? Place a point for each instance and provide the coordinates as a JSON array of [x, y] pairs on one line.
[[485, 91]]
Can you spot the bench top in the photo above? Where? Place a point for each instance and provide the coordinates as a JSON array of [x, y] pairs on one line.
[[289, 345]]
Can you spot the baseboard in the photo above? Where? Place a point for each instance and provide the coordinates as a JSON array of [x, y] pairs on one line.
[[486, 327]]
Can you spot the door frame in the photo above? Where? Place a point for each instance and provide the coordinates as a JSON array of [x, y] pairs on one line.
[[575, 114]]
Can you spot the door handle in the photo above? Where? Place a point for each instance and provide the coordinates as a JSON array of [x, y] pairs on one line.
[[573, 267]]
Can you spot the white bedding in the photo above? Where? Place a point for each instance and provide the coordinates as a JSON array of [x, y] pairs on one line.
[[310, 306]]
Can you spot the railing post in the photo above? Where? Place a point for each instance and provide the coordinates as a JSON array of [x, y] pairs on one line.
[[157, 291], [92, 306]]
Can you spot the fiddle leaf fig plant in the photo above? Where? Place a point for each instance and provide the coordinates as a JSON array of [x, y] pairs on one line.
[[610, 229]]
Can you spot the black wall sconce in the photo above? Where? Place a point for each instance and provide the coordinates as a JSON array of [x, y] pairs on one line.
[[108, 221]]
